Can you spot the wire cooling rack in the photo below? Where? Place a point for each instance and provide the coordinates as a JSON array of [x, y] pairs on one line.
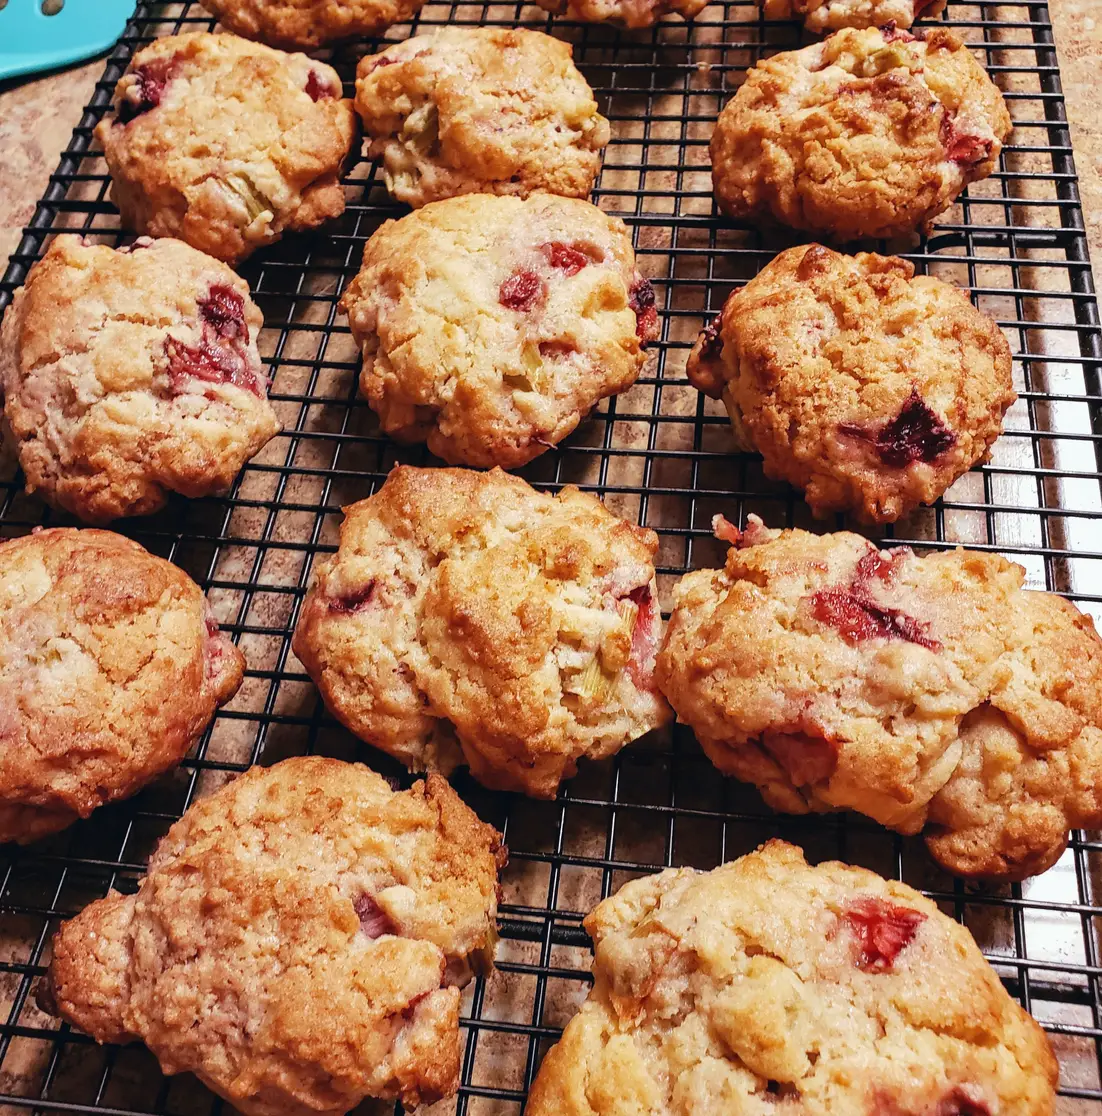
[[659, 454]]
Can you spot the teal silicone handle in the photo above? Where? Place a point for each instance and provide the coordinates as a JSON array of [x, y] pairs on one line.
[[31, 41]]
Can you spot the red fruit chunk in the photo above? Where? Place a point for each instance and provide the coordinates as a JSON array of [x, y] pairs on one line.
[[521, 291], [152, 79], [354, 602], [374, 921], [960, 1103], [567, 259], [805, 759], [874, 565], [725, 530], [380, 62], [857, 619], [893, 34], [646, 316], [882, 929], [215, 648], [711, 345], [319, 88], [224, 311], [644, 643], [209, 361], [915, 434], [963, 147]]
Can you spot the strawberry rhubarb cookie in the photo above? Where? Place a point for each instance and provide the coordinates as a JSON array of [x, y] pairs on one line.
[[480, 110], [467, 618], [111, 666], [823, 16], [309, 24], [226, 144], [631, 14], [869, 133], [933, 694], [769, 986], [490, 326], [132, 373], [298, 941], [869, 387]]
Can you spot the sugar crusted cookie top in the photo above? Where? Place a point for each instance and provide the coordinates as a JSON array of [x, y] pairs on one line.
[[468, 618], [769, 985], [490, 326], [298, 940], [225, 143], [132, 373], [110, 667], [927, 692], [870, 133], [480, 110], [869, 387]]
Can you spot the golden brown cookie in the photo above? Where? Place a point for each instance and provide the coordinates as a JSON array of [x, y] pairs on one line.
[[298, 941], [308, 24], [480, 110], [111, 666], [226, 144], [467, 618], [823, 16], [632, 14], [869, 387], [931, 693], [769, 986], [491, 326], [869, 133], [131, 374]]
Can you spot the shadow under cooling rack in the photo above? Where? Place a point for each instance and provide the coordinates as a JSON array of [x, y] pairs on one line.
[[659, 454]]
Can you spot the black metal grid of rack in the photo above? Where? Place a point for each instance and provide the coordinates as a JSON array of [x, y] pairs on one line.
[[659, 454]]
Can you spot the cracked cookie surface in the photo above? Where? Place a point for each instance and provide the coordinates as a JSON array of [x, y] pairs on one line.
[[132, 373], [298, 941], [308, 24], [933, 694], [480, 110], [110, 667], [490, 326], [870, 133], [467, 618], [225, 143], [768, 985], [869, 387]]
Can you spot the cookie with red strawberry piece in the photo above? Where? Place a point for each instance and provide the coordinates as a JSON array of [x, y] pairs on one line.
[[298, 942], [768, 985], [933, 694], [870, 133], [491, 326], [824, 16], [467, 618], [132, 373], [111, 666], [309, 24], [631, 14], [480, 110], [869, 387], [225, 143]]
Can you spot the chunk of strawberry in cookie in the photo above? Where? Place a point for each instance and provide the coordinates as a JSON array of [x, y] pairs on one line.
[[521, 291], [319, 88], [962, 146], [146, 93], [644, 639], [568, 259], [881, 931], [224, 311], [857, 619], [374, 921], [642, 301], [915, 434], [356, 601]]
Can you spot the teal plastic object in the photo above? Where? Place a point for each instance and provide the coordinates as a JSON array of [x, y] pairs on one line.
[[31, 40]]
